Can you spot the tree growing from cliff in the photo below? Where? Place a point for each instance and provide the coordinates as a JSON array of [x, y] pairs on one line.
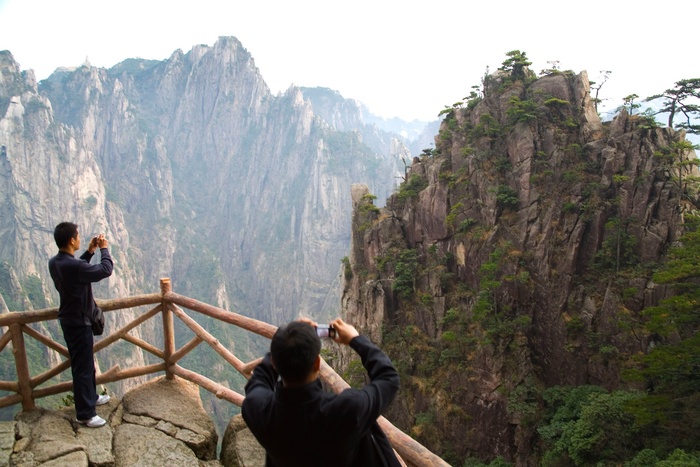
[[628, 103], [678, 316], [618, 248], [683, 99], [406, 271], [586, 425], [596, 86], [554, 68], [516, 64], [671, 368], [678, 159]]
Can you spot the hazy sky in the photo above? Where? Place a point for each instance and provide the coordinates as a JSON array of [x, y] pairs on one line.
[[400, 58]]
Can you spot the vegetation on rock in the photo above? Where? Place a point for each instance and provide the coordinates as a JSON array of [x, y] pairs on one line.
[[540, 296]]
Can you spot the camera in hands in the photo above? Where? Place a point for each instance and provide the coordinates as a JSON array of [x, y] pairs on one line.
[[325, 331]]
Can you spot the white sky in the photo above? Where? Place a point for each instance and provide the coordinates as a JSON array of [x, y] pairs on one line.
[[400, 58]]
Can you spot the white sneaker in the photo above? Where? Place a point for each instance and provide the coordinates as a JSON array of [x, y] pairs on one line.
[[94, 422], [102, 400]]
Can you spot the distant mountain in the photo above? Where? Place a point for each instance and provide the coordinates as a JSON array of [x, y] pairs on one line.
[[194, 171]]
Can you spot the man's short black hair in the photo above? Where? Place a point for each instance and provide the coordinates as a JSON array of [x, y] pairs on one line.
[[64, 232], [294, 349]]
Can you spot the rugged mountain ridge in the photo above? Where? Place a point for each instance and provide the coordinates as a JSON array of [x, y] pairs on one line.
[[516, 256], [201, 130], [209, 135], [194, 171]]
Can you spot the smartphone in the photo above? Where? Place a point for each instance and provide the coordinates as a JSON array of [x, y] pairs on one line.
[[325, 331]]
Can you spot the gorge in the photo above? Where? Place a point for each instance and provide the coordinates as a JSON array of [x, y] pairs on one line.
[[513, 257]]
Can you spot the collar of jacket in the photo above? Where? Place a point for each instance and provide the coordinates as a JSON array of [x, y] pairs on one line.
[[300, 394]]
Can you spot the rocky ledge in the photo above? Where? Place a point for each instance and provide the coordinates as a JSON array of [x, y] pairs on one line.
[[161, 423]]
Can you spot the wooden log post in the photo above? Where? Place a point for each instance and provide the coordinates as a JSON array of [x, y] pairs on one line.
[[168, 328], [22, 366]]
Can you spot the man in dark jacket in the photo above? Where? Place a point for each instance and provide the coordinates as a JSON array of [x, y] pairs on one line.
[[73, 279], [298, 423]]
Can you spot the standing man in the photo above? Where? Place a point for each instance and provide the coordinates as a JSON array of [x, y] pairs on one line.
[[301, 425], [73, 279]]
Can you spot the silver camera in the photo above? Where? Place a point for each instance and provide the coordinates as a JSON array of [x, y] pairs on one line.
[[325, 331]]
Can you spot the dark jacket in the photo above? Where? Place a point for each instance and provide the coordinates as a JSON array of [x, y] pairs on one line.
[[306, 426], [73, 279]]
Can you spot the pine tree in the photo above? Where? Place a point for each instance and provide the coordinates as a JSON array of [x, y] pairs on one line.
[[679, 101]]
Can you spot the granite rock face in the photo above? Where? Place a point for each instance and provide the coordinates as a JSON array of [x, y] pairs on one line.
[[499, 267], [239, 446], [190, 158], [194, 171], [160, 423]]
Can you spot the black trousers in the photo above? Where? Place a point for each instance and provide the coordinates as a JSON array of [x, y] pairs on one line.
[[82, 365]]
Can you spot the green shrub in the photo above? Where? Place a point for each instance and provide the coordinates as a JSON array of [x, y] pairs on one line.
[[586, 425], [680, 458], [570, 206], [467, 151], [455, 210], [488, 126], [555, 102], [506, 197], [574, 149], [521, 110], [497, 462], [572, 176], [618, 249], [466, 225], [90, 202], [412, 187], [406, 271], [503, 164], [34, 105], [347, 269]]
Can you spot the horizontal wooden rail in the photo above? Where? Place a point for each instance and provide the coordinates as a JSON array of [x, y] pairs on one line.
[[250, 324], [9, 386], [19, 321], [48, 314]]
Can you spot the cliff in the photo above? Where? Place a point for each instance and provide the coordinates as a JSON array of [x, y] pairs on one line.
[[194, 171], [190, 159], [516, 256]]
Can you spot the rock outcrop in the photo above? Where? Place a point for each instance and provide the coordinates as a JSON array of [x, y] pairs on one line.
[[239, 448], [161, 423], [516, 256]]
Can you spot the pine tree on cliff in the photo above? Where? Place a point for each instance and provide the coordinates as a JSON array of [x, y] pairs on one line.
[[680, 100], [672, 367], [516, 64]]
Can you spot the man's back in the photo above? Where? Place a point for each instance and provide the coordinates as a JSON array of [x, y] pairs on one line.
[[72, 278], [305, 426], [310, 427]]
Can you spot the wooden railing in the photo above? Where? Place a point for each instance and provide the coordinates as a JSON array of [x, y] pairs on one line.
[[169, 305]]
